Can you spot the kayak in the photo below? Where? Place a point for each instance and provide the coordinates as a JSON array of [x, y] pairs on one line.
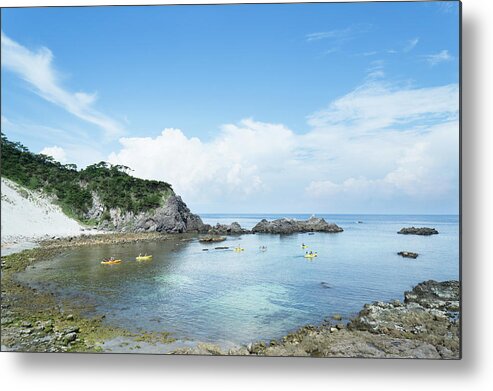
[[239, 249], [305, 246], [113, 262], [144, 258], [310, 255]]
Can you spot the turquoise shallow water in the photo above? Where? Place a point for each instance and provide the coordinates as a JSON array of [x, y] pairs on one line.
[[224, 296]]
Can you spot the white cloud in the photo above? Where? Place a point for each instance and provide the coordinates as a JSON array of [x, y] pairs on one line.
[[229, 166], [56, 153], [379, 141], [435, 59], [36, 68], [426, 168]]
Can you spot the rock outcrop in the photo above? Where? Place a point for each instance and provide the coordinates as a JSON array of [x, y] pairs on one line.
[[418, 231], [173, 217], [432, 294], [289, 226], [228, 229], [429, 314]]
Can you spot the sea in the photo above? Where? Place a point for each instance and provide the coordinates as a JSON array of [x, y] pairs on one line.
[[200, 293]]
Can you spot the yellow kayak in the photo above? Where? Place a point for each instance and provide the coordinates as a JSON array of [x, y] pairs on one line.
[[144, 258], [113, 262], [310, 255], [239, 249], [305, 246]]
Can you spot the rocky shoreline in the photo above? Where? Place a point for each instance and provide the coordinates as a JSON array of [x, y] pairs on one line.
[[425, 325], [34, 321]]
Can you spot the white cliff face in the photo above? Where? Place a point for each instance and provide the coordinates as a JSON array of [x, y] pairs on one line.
[[32, 215]]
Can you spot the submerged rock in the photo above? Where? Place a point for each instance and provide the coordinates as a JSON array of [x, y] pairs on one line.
[[289, 226], [418, 231], [212, 239]]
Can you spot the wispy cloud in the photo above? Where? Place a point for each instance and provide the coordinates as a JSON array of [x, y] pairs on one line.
[[447, 6], [329, 34], [378, 106], [407, 47], [437, 58], [375, 70], [411, 44], [36, 68], [338, 37], [80, 147]]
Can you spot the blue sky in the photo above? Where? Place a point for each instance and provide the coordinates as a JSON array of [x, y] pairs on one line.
[[343, 107]]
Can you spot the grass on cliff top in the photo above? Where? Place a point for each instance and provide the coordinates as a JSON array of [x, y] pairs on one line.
[[73, 188]]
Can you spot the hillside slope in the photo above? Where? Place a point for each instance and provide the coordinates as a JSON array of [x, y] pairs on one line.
[[28, 214]]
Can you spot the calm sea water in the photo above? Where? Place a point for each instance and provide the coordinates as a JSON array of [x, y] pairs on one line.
[[223, 296]]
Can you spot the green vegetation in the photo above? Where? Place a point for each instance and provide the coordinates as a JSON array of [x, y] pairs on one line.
[[73, 188]]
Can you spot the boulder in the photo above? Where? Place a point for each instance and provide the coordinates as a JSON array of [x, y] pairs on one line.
[[70, 337]]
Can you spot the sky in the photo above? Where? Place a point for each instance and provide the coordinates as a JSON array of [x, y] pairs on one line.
[[288, 108]]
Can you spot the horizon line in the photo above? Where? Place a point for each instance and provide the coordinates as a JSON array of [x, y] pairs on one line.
[[324, 213]]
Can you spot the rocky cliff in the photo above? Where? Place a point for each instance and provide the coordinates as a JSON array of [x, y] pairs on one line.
[[172, 217]]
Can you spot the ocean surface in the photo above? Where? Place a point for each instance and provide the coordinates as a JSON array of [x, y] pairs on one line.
[[226, 297]]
